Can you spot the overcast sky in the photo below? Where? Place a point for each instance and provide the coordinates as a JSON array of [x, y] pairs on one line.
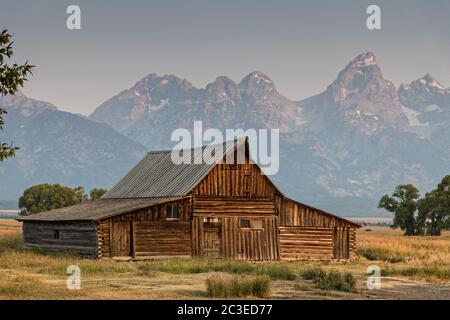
[[301, 45]]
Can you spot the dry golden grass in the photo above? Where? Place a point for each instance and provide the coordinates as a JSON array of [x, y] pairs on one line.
[[28, 274], [420, 257], [10, 227]]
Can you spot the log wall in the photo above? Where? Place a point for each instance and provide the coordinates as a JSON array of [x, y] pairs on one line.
[[330, 236], [156, 238], [306, 243], [79, 237]]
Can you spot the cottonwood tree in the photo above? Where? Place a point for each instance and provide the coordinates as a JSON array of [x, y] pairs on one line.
[[97, 193], [436, 207], [44, 197], [12, 78], [403, 203]]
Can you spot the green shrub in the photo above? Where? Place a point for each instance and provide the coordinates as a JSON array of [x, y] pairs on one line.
[[220, 287], [313, 273], [217, 287], [333, 280]]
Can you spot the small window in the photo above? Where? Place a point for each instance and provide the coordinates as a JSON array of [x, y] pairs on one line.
[[172, 211], [56, 234], [251, 223], [244, 223]]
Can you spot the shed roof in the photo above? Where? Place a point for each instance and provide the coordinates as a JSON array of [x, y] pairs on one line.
[[97, 209]]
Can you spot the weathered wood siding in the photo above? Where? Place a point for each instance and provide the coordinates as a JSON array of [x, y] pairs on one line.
[[79, 237], [235, 180], [306, 243], [151, 233], [308, 233], [235, 242], [352, 243], [344, 243], [162, 238], [295, 214], [232, 206], [228, 194]]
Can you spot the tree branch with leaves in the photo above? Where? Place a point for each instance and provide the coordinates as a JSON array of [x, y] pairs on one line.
[[12, 78]]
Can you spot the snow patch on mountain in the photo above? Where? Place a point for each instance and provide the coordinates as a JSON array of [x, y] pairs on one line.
[[433, 108], [413, 117]]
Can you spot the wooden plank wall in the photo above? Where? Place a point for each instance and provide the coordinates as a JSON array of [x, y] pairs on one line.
[[295, 214], [156, 238], [240, 243], [155, 213], [79, 237], [228, 205], [104, 232], [352, 243], [240, 180], [197, 234], [306, 243], [231, 192]]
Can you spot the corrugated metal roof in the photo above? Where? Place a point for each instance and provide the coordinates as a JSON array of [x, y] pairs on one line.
[[96, 210], [157, 175]]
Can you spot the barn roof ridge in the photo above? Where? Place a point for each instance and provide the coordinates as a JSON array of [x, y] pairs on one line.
[[156, 175], [237, 141]]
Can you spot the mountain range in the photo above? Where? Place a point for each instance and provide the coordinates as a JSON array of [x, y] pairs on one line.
[[340, 150]]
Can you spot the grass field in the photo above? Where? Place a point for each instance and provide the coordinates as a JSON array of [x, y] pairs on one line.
[[412, 268]]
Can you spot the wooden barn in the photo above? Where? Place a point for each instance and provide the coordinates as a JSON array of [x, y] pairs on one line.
[[220, 210]]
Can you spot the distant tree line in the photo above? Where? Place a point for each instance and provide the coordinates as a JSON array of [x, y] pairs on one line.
[[44, 197], [416, 216]]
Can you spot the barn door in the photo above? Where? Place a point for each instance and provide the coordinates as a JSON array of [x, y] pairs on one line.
[[212, 239], [341, 242], [121, 239]]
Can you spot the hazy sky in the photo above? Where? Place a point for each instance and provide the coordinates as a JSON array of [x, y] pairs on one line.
[[301, 45]]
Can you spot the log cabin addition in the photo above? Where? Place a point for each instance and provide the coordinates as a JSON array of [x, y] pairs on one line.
[[218, 210]]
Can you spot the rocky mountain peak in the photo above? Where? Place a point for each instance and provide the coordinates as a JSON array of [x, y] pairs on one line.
[[361, 76], [430, 81], [24, 105], [166, 82], [359, 98], [256, 83], [222, 88], [425, 93], [364, 60], [426, 83]]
